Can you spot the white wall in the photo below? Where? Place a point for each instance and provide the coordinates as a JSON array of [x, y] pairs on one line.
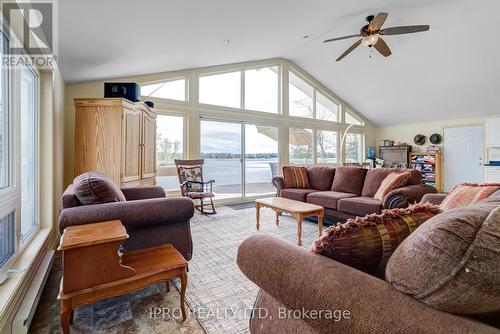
[[405, 133]]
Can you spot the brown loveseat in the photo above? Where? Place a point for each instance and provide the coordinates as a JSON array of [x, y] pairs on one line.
[[347, 192], [151, 219]]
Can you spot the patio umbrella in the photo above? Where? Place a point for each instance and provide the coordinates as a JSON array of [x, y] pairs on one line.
[[299, 137]]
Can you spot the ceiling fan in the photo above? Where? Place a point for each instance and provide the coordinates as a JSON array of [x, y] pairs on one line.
[[371, 34]]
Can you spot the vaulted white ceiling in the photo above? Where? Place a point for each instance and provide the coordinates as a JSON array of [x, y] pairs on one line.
[[450, 72]]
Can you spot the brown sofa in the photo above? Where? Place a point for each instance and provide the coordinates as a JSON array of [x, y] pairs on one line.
[[150, 218], [296, 284], [347, 192]]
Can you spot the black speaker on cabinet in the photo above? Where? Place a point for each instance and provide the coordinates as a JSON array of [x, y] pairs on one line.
[[128, 90]]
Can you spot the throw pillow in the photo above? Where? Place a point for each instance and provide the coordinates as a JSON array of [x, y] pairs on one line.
[[190, 175], [94, 188], [295, 177], [468, 193], [391, 182], [349, 180], [366, 243], [452, 262]]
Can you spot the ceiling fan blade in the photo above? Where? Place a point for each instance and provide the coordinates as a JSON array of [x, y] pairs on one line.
[[340, 38], [382, 47], [355, 45], [404, 30], [378, 21]]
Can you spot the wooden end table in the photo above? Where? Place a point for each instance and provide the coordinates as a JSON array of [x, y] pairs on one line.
[[92, 269], [299, 210]]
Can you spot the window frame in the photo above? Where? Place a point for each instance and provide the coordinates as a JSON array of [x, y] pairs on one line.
[[10, 197]]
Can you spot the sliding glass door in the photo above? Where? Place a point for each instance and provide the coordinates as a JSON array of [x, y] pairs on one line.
[[242, 158], [221, 148]]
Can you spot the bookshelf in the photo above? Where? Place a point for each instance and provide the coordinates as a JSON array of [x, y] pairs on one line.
[[430, 165]]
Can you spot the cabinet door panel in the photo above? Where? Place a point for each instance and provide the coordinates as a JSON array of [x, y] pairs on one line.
[[149, 146], [131, 145]]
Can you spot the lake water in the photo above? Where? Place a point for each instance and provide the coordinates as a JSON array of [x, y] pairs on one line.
[[227, 176]]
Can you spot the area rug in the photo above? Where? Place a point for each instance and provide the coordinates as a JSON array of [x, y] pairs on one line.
[[218, 293], [219, 296]]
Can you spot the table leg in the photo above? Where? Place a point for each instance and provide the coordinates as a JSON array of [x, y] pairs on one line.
[[299, 229], [65, 315], [167, 285], [320, 223], [183, 294], [278, 213], [257, 215]]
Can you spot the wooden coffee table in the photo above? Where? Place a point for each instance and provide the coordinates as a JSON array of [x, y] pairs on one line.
[[299, 210], [93, 270]]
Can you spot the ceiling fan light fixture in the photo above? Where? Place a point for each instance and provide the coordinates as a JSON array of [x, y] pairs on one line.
[[370, 40]]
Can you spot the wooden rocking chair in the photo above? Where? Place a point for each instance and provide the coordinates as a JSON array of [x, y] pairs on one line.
[[190, 174]]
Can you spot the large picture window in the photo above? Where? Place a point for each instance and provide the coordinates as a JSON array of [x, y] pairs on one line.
[[19, 169], [221, 89], [300, 97], [29, 150], [261, 89], [353, 147], [171, 90], [326, 109], [169, 146], [326, 147], [301, 146]]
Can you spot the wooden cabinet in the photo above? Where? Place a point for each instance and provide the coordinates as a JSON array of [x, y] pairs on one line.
[[117, 138], [493, 128]]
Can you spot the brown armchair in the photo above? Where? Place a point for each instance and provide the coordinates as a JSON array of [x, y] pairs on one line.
[[150, 218]]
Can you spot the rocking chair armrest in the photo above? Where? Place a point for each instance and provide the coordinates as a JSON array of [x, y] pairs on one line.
[[198, 182]]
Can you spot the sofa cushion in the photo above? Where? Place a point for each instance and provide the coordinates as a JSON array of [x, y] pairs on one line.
[[452, 262], [296, 194], [391, 182], [94, 188], [375, 176], [359, 206], [327, 199], [320, 177], [366, 243], [468, 193], [349, 180], [295, 177]]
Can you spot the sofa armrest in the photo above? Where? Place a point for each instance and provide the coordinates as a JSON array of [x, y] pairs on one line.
[[133, 214], [136, 193], [279, 184], [433, 198], [301, 280], [402, 197]]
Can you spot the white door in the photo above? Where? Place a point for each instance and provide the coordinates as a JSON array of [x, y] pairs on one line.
[[463, 155]]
